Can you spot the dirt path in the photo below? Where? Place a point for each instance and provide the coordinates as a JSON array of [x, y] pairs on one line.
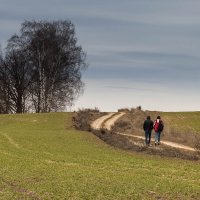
[[108, 121], [172, 144], [98, 123], [111, 121]]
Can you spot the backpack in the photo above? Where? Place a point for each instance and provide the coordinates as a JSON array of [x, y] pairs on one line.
[[158, 126]]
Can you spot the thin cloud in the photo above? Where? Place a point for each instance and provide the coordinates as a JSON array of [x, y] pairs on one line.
[[128, 88], [154, 55]]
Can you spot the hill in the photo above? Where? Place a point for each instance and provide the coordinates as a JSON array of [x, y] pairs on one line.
[[43, 157], [183, 126]]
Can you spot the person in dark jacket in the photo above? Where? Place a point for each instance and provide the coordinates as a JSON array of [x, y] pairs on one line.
[[148, 127]]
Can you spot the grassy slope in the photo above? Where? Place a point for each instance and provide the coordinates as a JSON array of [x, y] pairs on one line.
[[186, 121], [41, 157]]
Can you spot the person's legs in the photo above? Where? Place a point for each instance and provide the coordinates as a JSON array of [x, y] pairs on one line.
[[159, 137], [156, 138], [146, 136], [149, 137]]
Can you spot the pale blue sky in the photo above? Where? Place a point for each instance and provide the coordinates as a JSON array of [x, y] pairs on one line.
[[140, 52]]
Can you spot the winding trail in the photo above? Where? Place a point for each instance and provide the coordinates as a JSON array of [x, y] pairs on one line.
[[107, 121], [111, 121], [172, 144], [98, 123]]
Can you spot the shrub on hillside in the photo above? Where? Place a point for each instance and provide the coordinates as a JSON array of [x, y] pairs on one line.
[[127, 110], [83, 118], [123, 110], [139, 107], [123, 125]]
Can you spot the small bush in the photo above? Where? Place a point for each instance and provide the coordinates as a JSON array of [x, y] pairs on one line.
[[139, 107], [123, 110], [123, 125], [83, 118]]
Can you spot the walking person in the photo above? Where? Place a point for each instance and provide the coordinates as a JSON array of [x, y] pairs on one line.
[[148, 127], [158, 128]]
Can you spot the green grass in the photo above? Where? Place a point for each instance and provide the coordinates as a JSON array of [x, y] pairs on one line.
[[43, 157], [184, 121]]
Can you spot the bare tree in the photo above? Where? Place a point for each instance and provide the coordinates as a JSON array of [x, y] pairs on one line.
[[48, 62], [15, 78], [58, 62]]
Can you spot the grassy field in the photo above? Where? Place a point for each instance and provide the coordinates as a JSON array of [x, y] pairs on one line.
[[43, 157], [185, 121], [182, 127]]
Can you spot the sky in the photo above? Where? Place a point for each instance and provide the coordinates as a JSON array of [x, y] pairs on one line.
[[139, 52]]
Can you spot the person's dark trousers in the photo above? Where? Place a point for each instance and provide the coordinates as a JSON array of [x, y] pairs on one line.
[[147, 137]]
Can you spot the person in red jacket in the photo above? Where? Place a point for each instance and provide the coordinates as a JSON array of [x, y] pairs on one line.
[[158, 128]]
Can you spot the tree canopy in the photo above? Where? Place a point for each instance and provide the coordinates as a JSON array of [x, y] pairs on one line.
[[41, 68]]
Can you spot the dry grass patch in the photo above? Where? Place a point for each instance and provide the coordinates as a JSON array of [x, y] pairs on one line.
[[84, 117], [137, 145]]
